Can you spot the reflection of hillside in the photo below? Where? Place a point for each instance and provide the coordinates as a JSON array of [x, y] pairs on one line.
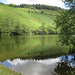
[[31, 47], [11, 43], [66, 66]]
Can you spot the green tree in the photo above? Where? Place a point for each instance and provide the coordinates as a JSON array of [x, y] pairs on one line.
[[43, 28], [66, 24], [70, 3], [13, 5]]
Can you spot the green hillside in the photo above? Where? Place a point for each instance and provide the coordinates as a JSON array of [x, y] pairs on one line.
[[26, 21]]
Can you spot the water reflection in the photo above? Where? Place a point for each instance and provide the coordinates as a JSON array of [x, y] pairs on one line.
[[33, 47], [63, 65], [32, 67], [43, 42], [66, 65]]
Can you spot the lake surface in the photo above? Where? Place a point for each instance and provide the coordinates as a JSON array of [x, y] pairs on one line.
[[34, 55], [63, 65], [31, 47]]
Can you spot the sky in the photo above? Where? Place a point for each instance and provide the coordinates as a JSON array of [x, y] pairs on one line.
[[3, 1], [58, 3]]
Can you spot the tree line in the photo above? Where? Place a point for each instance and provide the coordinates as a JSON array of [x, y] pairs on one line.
[[36, 6]]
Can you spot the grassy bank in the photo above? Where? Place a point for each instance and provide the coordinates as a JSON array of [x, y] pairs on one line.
[[6, 71]]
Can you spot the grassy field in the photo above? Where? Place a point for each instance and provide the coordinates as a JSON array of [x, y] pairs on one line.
[[26, 20], [6, 71]]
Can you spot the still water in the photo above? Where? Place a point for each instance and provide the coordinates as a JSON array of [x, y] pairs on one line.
[[31, 47], [63, 65], [35, 55]]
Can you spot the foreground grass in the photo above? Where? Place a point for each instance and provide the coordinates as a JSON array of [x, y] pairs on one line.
[[6, 71]]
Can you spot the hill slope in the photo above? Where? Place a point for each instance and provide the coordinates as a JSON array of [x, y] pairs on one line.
[[26, 21]]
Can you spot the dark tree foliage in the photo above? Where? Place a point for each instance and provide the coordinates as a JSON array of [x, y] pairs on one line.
[[13, 5], [66, 24], [37, 6], [70, 3], [66, 66]]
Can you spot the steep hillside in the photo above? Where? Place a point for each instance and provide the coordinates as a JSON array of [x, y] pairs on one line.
[[26, 21]]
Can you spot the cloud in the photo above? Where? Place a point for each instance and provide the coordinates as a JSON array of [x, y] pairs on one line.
[[32, 0], [33, 67], [22, 1]]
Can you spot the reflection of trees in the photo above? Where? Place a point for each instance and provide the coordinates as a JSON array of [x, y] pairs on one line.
[[8, 44], [66, 65], [43, 40]]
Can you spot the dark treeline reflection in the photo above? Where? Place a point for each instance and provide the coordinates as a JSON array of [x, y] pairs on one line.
[[10, 47], [66, 66], [11, 43]]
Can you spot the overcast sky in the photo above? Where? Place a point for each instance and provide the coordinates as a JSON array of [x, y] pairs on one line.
[[58, 3]]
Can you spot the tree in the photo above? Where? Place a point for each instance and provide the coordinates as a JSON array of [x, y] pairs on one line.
[[12, 5], [66, 24], [43, 28], [70, 3]]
